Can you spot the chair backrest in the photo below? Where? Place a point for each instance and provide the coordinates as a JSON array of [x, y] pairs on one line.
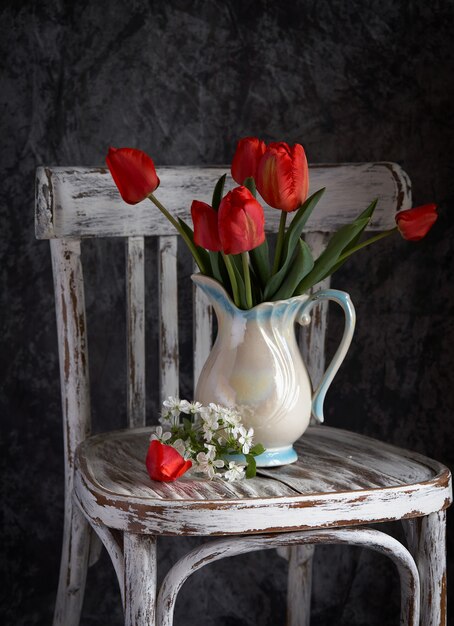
[[74, 203]]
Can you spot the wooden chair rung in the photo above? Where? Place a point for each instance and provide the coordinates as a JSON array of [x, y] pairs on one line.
[[168, 320], [202, 330], [135, 302]]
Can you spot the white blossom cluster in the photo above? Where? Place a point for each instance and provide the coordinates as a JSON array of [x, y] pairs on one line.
[[207, 435]]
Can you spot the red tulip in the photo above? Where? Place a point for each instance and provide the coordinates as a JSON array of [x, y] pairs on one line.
[[164, 463], [414, 224], [241, 221], [283, 176], [133, 172], [205, 220], [246, 160]]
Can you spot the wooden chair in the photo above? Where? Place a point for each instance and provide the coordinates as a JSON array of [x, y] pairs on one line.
[[342, 481]]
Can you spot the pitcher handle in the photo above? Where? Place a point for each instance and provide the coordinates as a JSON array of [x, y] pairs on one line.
[[343, 299]]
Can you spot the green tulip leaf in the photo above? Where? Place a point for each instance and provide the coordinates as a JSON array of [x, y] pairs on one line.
[[215, 262], [251, 469], [260, 262], [365, 214], [301, 266], [237, 264], [257, 449], [218, 192], [325, 263], [249, 183], [202, 252], [187, 424], [292, 237]]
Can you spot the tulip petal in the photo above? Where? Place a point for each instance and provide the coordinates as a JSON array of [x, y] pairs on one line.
[[415, 223], [133, 172], [164, 463], [241, 222], [283, 176], [246, 159], [205, 220]]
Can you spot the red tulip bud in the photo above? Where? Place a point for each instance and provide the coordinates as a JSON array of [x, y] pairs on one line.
[[283, 176], [133, 172], [205, 220], [246, 160], [164, 463], [241, 222], [414, 224]]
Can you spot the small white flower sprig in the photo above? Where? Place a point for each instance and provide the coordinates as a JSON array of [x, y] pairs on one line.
[[208, 435]]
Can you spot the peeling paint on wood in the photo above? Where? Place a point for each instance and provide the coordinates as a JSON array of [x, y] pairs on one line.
[[84, 201], [224, 548], [168, 317], [140, 580], [112, 484], [135, 297], [426, 537], [341, 479], [202, 329], [312, 337]]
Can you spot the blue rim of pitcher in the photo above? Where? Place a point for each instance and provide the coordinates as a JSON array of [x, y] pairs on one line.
[[272, 457]]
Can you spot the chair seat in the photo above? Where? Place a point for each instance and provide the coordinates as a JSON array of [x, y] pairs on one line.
[[340, 479]]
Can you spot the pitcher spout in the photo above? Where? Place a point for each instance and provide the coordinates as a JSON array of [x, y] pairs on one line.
[[217, 295]]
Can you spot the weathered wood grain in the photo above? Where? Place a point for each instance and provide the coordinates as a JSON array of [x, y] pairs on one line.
[[341, 479], [223, 548], [302, 495], [135, 323], [113, 542], [74, 380], [73, 568], [312, 344], [426, 537], [312, 337], [299, 585], [202, 330], [84, 202], [168, 317], [140, 580]]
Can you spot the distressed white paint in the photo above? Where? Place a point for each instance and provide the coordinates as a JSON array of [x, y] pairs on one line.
[[135, 323], [168, 317], [202, 330], [327, 494], [74, 380], [312, 345], [73, 568], [312, 338], [426, 538], [299, 585], [223, 548], [140, 580], [111, 541], [83, 201], [341, 478]]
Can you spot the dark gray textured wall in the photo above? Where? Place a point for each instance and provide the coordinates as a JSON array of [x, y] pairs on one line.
[[352, 81]]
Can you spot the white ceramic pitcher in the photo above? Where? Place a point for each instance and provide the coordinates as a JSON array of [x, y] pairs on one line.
[[256, 366]]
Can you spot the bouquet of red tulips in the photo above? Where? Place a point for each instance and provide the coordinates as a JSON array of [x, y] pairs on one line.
[[228, 240]]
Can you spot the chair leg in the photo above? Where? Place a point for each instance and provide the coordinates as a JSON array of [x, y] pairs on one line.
[[426, 537], [299, 585], [73, 568], [140, 579]]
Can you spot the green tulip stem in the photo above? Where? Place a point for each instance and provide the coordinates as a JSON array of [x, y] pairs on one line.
[[231, 272], [367, 242], [187, 240], [280, 241], [247, 279]]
